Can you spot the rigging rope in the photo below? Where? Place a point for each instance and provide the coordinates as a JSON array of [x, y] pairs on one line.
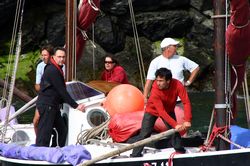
[[171, 157], [229, 141], [137, 45], [227, 87], [244, 84], [210, 127], [246, 99], [217, 132], [93, 49], [85, 36], [227, 78], [213, 135], [236, 80], [98, 132], [241, 26], [11, 56], [74, 40], [18, 51], [84, 33], [92, 4]]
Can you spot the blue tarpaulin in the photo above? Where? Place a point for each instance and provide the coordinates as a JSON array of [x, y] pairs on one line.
[[240, 136], [73, 154]]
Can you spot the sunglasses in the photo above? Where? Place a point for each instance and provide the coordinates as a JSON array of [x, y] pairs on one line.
[[109, 62]]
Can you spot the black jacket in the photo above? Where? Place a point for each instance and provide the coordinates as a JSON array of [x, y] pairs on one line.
[[53, 89]]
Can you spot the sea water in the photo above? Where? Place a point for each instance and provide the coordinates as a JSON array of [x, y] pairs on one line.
[[202, 106]]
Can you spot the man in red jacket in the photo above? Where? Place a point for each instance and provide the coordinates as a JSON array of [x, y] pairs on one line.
[[161, 103]]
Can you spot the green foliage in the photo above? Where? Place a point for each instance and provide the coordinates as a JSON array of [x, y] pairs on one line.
[[25, 65]]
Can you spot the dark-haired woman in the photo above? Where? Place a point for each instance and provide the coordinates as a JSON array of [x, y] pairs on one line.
[[113, 71]]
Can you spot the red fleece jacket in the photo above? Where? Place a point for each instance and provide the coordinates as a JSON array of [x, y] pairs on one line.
[[118, 75], [162, 102]]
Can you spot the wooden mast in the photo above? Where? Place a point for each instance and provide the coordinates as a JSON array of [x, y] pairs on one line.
[[219, 50], [70, 37]]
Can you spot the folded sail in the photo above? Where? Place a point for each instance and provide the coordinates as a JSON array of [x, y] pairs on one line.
[[86, 16]]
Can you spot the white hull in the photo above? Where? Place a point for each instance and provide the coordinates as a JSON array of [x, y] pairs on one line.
[[158, 158], [79, 121]]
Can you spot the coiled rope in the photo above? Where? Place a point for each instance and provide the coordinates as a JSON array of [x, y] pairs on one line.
[[99, 132]]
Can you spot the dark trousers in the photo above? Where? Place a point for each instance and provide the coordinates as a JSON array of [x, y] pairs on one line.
[[147, 129], [50, 117]]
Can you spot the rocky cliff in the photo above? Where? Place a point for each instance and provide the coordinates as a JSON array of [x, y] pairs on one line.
[[187, 20]]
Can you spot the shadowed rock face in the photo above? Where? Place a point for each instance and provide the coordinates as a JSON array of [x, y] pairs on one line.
[[152, 25], [155, 19], [7, 9], [121, 7]]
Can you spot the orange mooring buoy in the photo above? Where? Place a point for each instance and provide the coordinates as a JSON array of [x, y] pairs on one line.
[[124, 98]]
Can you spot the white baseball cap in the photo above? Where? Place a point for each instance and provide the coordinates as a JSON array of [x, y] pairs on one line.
[[168, 41]]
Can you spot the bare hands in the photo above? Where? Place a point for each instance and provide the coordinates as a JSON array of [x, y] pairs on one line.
[[187, 83], [187, 125], [182, 127], [81, 107], [179, 127]]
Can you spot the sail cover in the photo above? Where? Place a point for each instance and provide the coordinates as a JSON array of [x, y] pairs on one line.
[[238, 32], [87, 14], [238, 37], [238, 43]]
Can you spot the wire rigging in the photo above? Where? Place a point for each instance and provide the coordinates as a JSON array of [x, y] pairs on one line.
[[18, 20], [137, 44]]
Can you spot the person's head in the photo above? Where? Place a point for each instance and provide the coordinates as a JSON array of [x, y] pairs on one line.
[[163, 78], [46, 52], [60, 55], [168, 47], [110, 62]]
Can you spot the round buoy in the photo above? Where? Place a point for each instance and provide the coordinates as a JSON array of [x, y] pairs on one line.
[[124, 98]]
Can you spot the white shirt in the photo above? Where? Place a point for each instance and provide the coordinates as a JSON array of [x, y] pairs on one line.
[[40, 70], [177, 64]]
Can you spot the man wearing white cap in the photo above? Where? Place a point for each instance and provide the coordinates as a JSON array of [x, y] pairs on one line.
[[169, 59]]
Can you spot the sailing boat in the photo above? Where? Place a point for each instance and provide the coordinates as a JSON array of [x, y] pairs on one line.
[[107, 153]]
